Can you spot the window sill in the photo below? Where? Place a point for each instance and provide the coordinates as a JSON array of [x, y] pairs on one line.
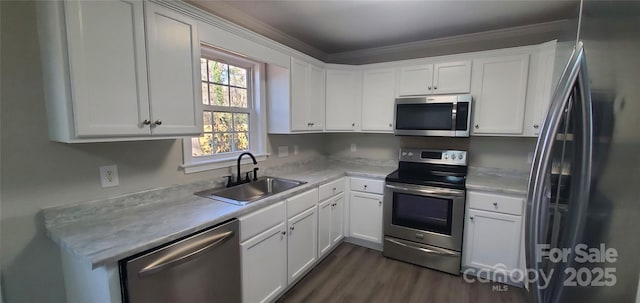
[[219, 163]]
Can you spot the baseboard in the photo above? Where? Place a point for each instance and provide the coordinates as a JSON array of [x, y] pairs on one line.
[[364, 243]]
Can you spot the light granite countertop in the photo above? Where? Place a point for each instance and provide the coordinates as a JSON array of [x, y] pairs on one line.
[[498, 181], [102, 232]]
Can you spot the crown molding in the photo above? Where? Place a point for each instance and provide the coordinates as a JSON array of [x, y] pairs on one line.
[[508, 37], [231, 14]]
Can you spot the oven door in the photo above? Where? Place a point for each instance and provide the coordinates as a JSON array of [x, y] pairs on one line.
[[424, 214]]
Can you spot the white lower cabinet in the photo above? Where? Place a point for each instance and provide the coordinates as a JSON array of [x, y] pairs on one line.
[[365, 216], [264, 265], [302, 246], [330, 223], [493, 235]]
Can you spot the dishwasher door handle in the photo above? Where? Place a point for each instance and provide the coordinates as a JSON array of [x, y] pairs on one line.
[[184, 254]]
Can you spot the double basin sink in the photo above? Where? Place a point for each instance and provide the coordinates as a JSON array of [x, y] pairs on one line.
[[246, 193]]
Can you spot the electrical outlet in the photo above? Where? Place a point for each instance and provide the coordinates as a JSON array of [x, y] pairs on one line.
[[353, 147], [109, 176], [283, 151], [295, 150]]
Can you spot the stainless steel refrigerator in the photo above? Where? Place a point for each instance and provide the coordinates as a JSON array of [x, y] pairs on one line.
[[583, 203]]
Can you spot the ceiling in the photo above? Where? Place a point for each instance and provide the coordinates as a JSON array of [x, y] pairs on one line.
[[323, 28]]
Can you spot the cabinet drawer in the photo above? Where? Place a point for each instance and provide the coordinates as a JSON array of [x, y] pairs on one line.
[[261, 220], [330, 189], [301, 202], [496, 203], [367, 185]]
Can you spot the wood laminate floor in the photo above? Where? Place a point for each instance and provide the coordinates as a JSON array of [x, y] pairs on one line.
[[356, 274]]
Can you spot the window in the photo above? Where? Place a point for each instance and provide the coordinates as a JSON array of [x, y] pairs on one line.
[[230, 111]]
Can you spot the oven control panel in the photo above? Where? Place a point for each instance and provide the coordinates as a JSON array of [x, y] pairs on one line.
[[451, 157]]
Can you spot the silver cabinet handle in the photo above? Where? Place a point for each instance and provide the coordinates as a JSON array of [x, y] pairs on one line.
[[146, 122], [495, 204], [435, 87], [334, 189], [390, 124], [158, 122], [429, 87], [183, 255], [380, 203], [476, 126], [536, 126], [291, 228], [471, 218], [353, 124]]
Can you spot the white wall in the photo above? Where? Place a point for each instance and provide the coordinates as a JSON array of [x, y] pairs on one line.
[[38, 173]]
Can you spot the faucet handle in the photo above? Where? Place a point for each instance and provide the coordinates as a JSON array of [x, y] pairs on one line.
[[229, 180], [255, 173], [246, 176]]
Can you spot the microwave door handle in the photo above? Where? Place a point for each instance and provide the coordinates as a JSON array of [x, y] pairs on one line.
[[454, 115]]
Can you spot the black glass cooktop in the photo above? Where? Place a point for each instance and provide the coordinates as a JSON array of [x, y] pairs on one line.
[[448, 176]]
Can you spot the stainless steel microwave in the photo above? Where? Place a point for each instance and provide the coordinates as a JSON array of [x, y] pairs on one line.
[[441, 116]]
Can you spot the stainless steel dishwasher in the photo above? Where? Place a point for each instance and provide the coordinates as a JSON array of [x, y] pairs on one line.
[[203, 267]]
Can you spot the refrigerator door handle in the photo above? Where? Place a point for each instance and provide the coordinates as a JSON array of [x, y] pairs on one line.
[[537, 207]]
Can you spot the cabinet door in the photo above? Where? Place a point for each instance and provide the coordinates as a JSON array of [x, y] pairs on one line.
[[492, 239], [302, 246], [108, 68], [337, 219], [325, 215], [264, 265], [541, 94], [299, 95], [365, 216], [415, 80], [343, 100], [173, 51], [315, 106], [452, 77], [378, 95], [500, 91]]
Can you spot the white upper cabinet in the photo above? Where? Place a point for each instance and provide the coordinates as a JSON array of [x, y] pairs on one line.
[[106, 79], [315, 99], [343, 100], [439, 78], [541, 84], [452, 77], [299, 95], [174, 72], [378, 95], [499, 87], [303, 111], [415, 80]]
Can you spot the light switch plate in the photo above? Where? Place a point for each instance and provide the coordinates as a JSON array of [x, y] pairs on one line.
[[109, 176], [283, 151]]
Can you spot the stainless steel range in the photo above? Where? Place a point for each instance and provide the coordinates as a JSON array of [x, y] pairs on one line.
[[424, 208]]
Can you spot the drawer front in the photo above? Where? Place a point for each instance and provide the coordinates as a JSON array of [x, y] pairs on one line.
[[496, 203], [367, 185], [261, 220], [330, 189], [301, 202]]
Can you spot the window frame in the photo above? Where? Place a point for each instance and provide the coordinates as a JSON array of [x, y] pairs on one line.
[[255, 109]]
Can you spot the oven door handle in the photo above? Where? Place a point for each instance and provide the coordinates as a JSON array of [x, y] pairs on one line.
[[430, 251], [434, 192]]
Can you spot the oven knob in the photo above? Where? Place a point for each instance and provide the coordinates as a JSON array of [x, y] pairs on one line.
[[460, 156], [446, 156], [453, 156], [410, 154], [404, 154]]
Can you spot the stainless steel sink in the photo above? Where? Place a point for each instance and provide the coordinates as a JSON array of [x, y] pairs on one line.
[[246, 193]]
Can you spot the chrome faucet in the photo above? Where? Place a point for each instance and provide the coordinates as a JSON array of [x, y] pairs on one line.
[[255, 170]]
